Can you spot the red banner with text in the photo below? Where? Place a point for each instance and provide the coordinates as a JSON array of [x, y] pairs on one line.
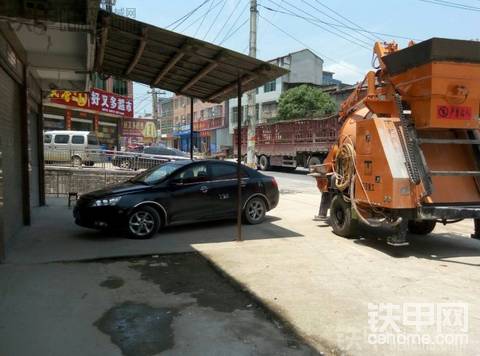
[[97, 100]]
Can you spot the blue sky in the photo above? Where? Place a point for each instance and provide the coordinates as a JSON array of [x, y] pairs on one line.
[[349, 59]]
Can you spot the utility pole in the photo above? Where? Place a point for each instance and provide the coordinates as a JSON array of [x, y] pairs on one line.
[[156, 119], [252, 107], [109, 5]]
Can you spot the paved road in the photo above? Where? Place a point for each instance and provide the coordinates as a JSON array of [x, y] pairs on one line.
[[346, 296], [318, 282], [299, 182]]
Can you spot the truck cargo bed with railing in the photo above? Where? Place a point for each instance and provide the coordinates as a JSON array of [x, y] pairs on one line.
[[292, 143]]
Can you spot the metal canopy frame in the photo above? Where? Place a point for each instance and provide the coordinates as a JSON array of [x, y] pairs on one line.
[[168, 60], [143, 53]]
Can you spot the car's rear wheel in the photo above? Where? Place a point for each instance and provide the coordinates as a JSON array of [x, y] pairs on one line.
[[143, 223], [255, 210], [422, 227]]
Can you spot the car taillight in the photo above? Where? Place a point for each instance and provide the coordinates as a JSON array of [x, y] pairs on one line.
[[274, 182]]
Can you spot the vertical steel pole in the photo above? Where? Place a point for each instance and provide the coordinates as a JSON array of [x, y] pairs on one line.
[[191, 128], [40, 157], [24, 159], [252, 106], [239, 159]]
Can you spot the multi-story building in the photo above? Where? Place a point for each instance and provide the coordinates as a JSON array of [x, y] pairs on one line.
[[304, 68], [165, 121], [210, 124], [100, 110]]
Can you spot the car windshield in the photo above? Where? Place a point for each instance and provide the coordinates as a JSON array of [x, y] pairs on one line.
[[155, 174]]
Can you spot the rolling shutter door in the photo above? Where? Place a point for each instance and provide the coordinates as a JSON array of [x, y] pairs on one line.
[[10, 111]]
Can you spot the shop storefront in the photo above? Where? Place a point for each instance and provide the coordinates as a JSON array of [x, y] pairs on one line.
[[138, 131], [182, 139], [98, 111], [207, 133]]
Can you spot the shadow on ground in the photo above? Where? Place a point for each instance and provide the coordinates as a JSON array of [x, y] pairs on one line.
[[54, 236], [435, 246]]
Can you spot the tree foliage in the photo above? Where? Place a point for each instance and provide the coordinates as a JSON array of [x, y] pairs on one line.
[[305, 101]]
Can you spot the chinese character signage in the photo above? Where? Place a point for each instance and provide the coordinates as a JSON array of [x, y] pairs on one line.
[[71, 98], [111, 103], [96, 99], [139, 128]]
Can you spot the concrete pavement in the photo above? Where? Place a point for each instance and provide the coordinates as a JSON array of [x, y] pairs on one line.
[[322, 284], [319, 283], [170, 305]]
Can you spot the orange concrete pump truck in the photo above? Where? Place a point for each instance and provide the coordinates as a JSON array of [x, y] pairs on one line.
[[408, 151]]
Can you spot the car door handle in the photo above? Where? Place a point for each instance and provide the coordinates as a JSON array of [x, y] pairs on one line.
[[204, 189]]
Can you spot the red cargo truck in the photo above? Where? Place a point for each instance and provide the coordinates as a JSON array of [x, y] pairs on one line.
[[292, 144]]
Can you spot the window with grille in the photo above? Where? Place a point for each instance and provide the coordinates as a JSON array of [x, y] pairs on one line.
[[120, 87], [270, 86]]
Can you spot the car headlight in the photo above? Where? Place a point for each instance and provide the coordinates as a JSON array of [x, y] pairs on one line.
[[106, 201]]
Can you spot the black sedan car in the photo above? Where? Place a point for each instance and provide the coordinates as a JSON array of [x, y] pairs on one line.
[[177, 192]]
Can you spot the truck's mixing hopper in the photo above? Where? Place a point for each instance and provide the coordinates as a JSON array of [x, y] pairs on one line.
[[439, 79]]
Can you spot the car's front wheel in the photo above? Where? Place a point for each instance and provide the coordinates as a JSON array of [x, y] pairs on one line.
[[143, 223], [255, 211]]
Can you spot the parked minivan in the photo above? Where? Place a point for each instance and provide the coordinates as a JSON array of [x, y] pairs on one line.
[[71, 146]]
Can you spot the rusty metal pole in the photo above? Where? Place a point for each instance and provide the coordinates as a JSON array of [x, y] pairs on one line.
[[191, 128], [239, 159]]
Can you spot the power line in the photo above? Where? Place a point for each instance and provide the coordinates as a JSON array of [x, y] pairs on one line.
[[204, 17], [201, 16], [364, 44], [187, 15], [345, 18], [215, 19], [234, 23], [368, 43], [308, 47], [225, 23], [337, 25], [452, 5], [235, 31]]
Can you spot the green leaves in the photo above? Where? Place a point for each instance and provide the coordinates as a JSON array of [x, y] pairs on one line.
[[305, 102]]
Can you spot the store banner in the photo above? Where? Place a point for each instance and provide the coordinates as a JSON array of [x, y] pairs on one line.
[[77, 99], [139, 128], [97, 100], [111, 103], [209, 124]]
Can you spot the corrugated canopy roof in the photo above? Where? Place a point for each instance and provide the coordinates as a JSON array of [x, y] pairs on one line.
[[168, 60]]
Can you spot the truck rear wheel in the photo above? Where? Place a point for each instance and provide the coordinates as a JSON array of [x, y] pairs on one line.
[[341, 218], [313, 161], [264, 163], [421, 227]]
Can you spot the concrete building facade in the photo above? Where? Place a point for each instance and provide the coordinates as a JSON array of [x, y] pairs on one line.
[[107, 126], [305, 68], [210, 126], [39, 51]]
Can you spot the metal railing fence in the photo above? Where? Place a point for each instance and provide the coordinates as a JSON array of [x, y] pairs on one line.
[[71, 172]]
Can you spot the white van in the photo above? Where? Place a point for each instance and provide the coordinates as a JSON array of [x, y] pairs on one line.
[[71, 146]]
